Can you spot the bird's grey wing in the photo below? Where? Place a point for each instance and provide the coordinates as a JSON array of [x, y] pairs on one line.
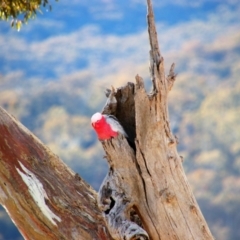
[[116, 126]]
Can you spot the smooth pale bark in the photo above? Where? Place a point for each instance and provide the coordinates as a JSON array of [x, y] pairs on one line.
[[44, 198]]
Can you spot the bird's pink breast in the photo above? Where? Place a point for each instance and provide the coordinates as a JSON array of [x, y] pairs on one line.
[[104, 130]]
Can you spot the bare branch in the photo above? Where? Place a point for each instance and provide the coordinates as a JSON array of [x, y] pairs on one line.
[[156, 68], [153, 39], [148, 187], [44, 198], [145, 194]]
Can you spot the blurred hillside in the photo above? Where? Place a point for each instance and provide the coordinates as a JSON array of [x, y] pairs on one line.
[[53, 82]]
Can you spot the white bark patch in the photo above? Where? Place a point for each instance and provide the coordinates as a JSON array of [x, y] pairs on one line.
[[37, 192]]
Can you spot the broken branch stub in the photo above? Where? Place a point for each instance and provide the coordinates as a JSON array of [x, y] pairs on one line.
[[121, 104], [148, 183]]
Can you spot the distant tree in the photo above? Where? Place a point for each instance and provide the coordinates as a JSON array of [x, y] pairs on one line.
[[145, 194], [21, 11]]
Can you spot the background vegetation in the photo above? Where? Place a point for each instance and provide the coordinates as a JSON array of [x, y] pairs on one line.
[[53, 76]]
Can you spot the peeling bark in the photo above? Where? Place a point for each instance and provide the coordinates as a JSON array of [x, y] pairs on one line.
[[149, 181], [145, 195], [44, 198]]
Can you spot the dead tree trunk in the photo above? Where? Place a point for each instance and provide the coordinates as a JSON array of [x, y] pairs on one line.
[[145, 194]]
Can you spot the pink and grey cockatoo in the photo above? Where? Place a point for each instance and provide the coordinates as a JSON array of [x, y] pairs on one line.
[[106, 126]]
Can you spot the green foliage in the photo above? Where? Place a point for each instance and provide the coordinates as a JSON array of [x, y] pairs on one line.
[[20, 11]]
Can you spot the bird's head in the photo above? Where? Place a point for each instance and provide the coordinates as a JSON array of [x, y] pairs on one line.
[[96, 118]]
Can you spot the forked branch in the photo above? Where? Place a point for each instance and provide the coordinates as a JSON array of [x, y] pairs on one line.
[[148, 182]]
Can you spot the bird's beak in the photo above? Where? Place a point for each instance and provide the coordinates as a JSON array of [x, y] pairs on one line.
[[93, 124]]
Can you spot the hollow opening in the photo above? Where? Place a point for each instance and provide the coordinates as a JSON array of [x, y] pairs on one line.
[[111, 206]]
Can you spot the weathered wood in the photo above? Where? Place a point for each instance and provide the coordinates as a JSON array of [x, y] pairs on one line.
[[149, 182], [145, 194], [117, 198], [44, 198], [171, 77], [121, 104]]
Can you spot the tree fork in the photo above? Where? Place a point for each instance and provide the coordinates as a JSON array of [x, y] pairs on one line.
[[149, 183], [145, 194]]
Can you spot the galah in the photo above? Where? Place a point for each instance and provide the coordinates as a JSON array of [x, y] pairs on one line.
[[106, 126]]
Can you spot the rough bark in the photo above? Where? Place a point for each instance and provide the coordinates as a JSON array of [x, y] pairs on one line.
[[146, 194], [44, 198]]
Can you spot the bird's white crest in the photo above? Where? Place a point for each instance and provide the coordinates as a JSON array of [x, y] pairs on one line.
[[95, 117]]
